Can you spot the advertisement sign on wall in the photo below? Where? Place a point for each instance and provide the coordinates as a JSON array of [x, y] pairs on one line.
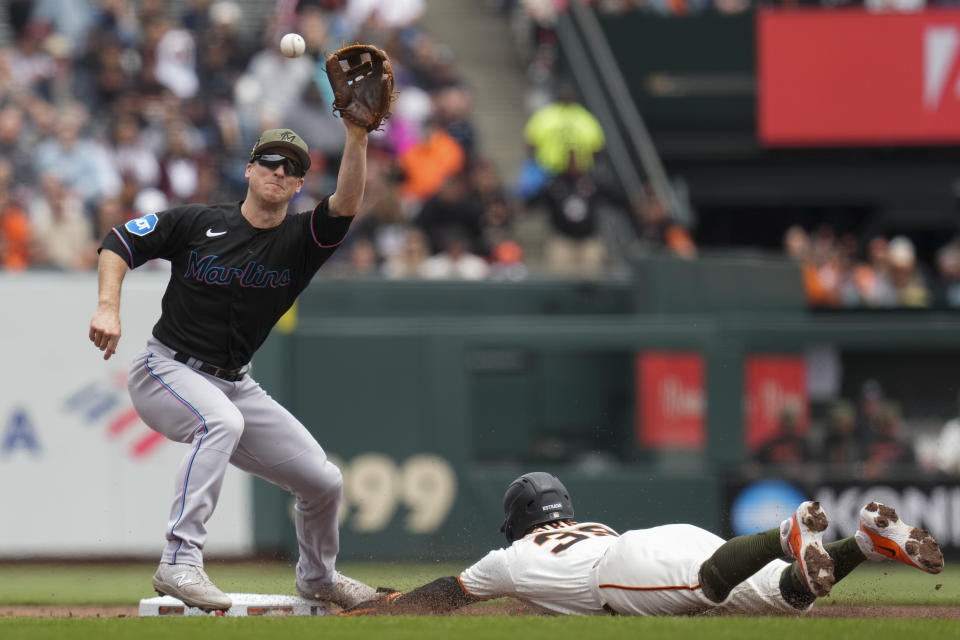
[[670, 400], [853, 77], [774, 383], [933, 504], [81, 474], [670, 406]]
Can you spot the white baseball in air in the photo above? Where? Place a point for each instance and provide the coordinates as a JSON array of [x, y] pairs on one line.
[[292, 45]]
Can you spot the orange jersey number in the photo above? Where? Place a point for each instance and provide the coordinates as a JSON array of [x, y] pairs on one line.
[[572, 537]]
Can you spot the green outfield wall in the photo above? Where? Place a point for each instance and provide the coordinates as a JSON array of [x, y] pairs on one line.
[[433, 396]]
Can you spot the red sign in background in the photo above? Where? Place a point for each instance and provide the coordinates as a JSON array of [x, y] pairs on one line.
[[850, 77], [773, 383], [670, 400]]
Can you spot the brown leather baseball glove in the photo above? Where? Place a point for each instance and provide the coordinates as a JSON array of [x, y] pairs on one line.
[[361, 77]]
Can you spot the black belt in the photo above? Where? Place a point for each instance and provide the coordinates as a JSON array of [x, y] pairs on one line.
[[231, 375]]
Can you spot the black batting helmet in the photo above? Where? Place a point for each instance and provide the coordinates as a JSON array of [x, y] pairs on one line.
[[532, 499]]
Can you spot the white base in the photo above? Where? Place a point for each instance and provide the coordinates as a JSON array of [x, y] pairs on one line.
[[244, 604]]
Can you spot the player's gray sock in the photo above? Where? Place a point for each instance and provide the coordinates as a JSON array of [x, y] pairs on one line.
[[736, 560]]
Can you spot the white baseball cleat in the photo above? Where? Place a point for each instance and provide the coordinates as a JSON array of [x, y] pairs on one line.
[[346, 593], [801, 537], [884, 536], [191, 585]]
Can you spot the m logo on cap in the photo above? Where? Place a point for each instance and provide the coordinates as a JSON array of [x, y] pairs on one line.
[[285, 138]]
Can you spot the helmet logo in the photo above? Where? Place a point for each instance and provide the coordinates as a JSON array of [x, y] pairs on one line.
[[548, 507]]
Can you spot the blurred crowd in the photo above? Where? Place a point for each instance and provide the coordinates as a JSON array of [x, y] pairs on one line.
[[547, 10], [838, 270], [869, 438], [112, 109], [886, 273]]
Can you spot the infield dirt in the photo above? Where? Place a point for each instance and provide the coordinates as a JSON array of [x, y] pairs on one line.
[[507, 608]]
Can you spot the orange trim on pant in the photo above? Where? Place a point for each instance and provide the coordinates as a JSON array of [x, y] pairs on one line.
[[666, 588], [467, 591]]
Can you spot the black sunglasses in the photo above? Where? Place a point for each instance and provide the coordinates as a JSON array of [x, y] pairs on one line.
[[273, 160]]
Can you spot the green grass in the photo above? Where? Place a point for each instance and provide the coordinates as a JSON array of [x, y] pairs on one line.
[[54, 584], [894, 584], [126, 584], [475, 628]]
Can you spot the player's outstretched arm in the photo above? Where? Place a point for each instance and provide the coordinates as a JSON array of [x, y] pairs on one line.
[[352, 176], [105, 324], [440, 596]]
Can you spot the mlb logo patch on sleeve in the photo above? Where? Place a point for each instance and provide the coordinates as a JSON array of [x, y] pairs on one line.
[[142, 226]]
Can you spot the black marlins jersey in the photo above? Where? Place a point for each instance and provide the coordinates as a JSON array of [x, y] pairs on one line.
[[229, 282]]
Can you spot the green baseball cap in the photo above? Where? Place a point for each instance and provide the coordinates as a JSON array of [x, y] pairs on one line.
[[284, 139]]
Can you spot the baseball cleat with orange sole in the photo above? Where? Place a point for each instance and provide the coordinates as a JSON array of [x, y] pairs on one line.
[[884, 536], [801, 537]]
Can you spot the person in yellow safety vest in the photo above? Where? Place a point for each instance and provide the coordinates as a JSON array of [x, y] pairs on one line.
[[563, 131]]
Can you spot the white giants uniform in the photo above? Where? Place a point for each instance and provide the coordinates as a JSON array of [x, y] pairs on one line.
[[586, 568]]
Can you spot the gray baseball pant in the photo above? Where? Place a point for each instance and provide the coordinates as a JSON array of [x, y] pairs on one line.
[[237, 423]]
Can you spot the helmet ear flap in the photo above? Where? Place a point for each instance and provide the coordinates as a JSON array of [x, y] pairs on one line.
[[512, 501]]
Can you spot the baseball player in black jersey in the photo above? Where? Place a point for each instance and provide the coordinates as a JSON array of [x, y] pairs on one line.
[[558, 565], [235, 269]]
